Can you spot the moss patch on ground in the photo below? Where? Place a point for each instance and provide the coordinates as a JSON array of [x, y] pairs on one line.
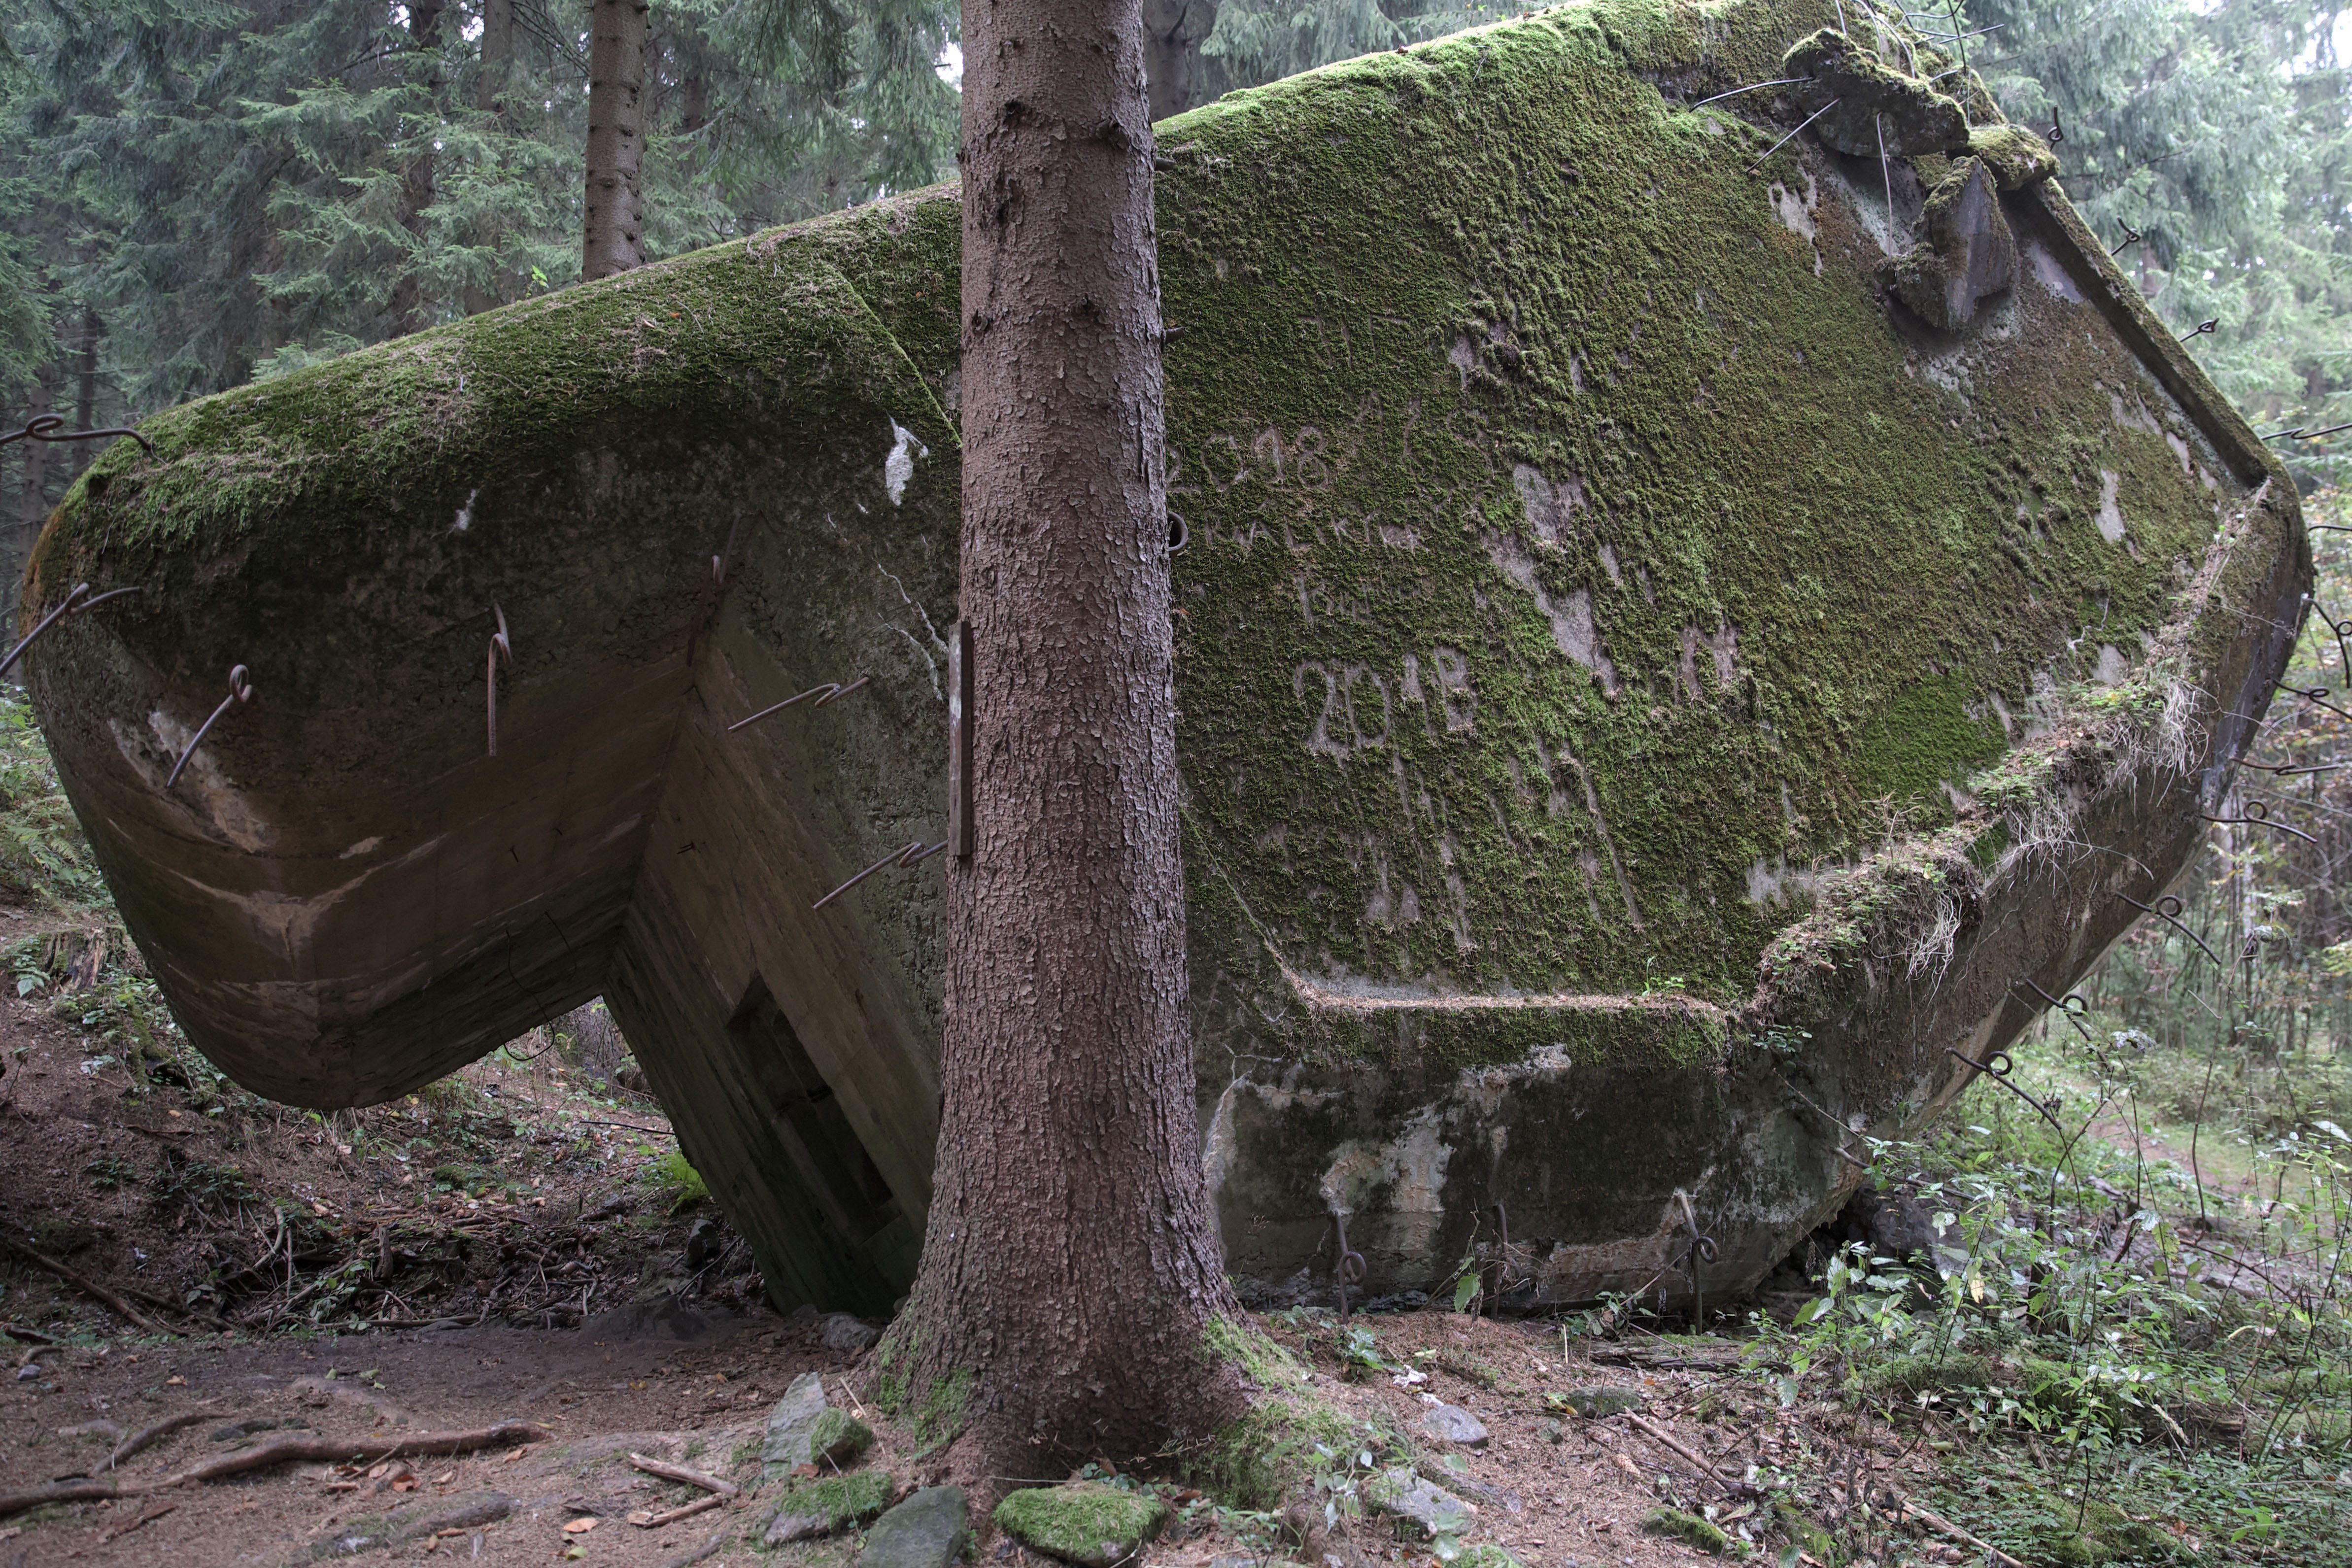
[[1087, 1522], [829, 1505]]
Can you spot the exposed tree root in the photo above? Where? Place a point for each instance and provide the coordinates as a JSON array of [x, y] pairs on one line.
[[140, 1441], [279, 1451], [91, 1288]]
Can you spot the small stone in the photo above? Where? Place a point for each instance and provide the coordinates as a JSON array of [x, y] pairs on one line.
[[843, 1331], [1687, 1528], [28, 1371], [1452, 1424], [1086, 1522], [927, 1531], [1422, 1504], [803, 1429], [1550, 1431], [827, 1507], [1598, 1401]]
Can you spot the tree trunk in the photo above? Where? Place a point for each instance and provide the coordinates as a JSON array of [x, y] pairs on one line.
[[1173, 32], [404, 307], [490, 97], [32, 498], [617, 138], [1071, 1274], [86, 387], [498, 51]]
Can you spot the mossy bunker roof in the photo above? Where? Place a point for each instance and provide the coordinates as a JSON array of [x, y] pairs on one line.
[[1662, 597]]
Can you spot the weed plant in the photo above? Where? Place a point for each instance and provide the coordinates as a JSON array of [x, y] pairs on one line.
[[2120, 1363]]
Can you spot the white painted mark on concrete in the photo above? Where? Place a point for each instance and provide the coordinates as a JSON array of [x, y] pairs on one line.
[[898, 467], [1571, 618], [2111, 517]]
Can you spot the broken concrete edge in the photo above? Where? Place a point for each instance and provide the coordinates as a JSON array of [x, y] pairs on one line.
[[2129, 736]]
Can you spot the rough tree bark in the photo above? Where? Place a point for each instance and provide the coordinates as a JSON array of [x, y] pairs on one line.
[[1071, 1276], [616, 136]]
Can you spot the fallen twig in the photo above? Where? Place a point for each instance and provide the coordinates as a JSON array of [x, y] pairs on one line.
[[644, 1520], [279, 1451], [1946, 1527], [90, 1288], [1660, 1435], [214, 1319], [687, 1559], [140, 1441], [147, 1515], [30, 1336], [670, 1472]]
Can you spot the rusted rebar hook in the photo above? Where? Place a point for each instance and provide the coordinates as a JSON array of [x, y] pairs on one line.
[[501, 647], [45, 428], [830, 692], [240, 689], [1351, 1267], [913, 855], [74, 605], [1703, 1250]]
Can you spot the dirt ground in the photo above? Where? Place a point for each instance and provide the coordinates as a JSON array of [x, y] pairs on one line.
[[678, 1385], [516, 1246]]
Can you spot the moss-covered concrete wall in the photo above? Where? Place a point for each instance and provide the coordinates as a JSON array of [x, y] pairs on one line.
[[1670, 632]]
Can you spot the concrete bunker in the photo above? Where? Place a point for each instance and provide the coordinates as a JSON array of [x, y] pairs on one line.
[[1655, 706]]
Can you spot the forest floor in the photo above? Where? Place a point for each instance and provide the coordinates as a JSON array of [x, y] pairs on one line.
[[520, 1244]]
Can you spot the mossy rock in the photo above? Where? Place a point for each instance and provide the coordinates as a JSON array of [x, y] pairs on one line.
[[828, 1505], [1085, 1523], [1601, 1400], [2017, 157], [1687, 1528], [1586, 564], [838, 1437]]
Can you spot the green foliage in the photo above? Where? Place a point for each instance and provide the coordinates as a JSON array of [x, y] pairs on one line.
[[221, 193], [2221, 132], [108, 1173], [1258, 41], [2078, 1312], [677, 1183], [43, 855]]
